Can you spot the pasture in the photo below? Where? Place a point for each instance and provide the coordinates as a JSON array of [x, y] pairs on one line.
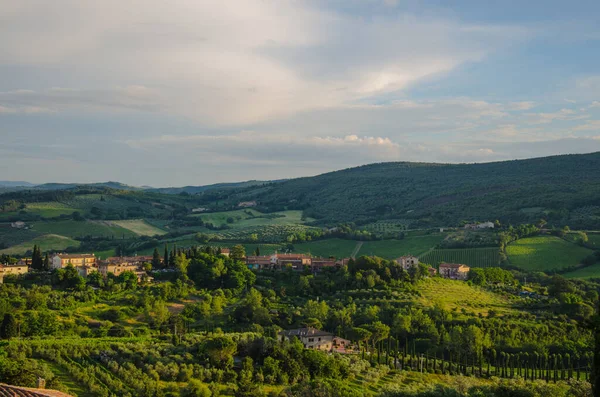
[[545, 253], [391, 249], [138, 227], [74, 229], [474, 257], [10, 236], [47, 242]]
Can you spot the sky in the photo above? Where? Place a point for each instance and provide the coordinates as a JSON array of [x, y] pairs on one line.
[[193, 92]]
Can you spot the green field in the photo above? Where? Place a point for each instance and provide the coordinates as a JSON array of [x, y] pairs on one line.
[[594, 240], [139, 227], [250, 218], [48, 242], [10, 236], [391, 249], [545, 253], [325, 248], [585, 272], [72, 229], [49, 209], [474, 257]]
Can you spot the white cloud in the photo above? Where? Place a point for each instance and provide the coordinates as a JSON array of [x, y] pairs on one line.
[[223, 64]]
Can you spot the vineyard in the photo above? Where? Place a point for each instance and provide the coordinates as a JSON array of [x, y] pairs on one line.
[[474, 257]]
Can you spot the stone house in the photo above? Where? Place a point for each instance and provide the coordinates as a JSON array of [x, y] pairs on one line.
[[407, 261], [311, 338], [60, 261], [454, 271]]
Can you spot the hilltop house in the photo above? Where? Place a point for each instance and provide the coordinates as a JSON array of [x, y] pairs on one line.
[[454, 271], [407, 261], [247, 204], [60, 261], [311, 338], [18, 224]]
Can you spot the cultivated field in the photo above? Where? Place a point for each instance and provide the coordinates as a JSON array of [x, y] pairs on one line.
[[391, 249], [139, 227], [325, 248], [455, 295], [545, 253], [474, 257], [48, 242]]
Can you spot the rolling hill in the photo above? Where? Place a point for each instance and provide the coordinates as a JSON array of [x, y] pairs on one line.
[[562, 189]]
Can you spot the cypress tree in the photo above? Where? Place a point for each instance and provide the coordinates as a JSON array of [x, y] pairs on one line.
[[155, 259], [166, 257], [46, 262], [8, 328]]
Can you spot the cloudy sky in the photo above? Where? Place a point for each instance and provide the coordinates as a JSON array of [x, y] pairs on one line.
[[189, 92]]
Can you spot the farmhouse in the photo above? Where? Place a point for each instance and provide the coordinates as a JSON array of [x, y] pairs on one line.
[[311, 338], [18, 224], [295, 261], [63, 260], [225, 251], [482, 225], [454, 271], [247, 204], [12, 269], [118, 265], [259, 262], [129, 259], [407, 261]]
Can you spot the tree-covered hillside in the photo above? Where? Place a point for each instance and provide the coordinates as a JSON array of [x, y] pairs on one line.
[[561, 189]]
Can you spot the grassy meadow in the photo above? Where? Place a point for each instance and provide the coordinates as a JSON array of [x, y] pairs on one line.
[[545, 253]]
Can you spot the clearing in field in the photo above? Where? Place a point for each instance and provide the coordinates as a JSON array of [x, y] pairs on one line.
[[474, 257], [139, 227], [545, 253], [73, 229], [391, 249], [48, 242], [585, 272]]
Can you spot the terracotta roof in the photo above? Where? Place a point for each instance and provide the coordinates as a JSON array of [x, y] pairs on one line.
[[292, 256], [16, 391], [129, 258], [67, 256], [452, 265], [305, 332]]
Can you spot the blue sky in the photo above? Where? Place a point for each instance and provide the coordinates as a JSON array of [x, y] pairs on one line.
[[149, 92]]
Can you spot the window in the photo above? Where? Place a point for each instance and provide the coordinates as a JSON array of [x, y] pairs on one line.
[[311, 339], [319, 339]]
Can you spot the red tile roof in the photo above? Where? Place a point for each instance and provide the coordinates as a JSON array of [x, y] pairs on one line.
[[16, 391]]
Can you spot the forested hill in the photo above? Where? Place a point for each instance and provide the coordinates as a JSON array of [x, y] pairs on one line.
[[562, 189]]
